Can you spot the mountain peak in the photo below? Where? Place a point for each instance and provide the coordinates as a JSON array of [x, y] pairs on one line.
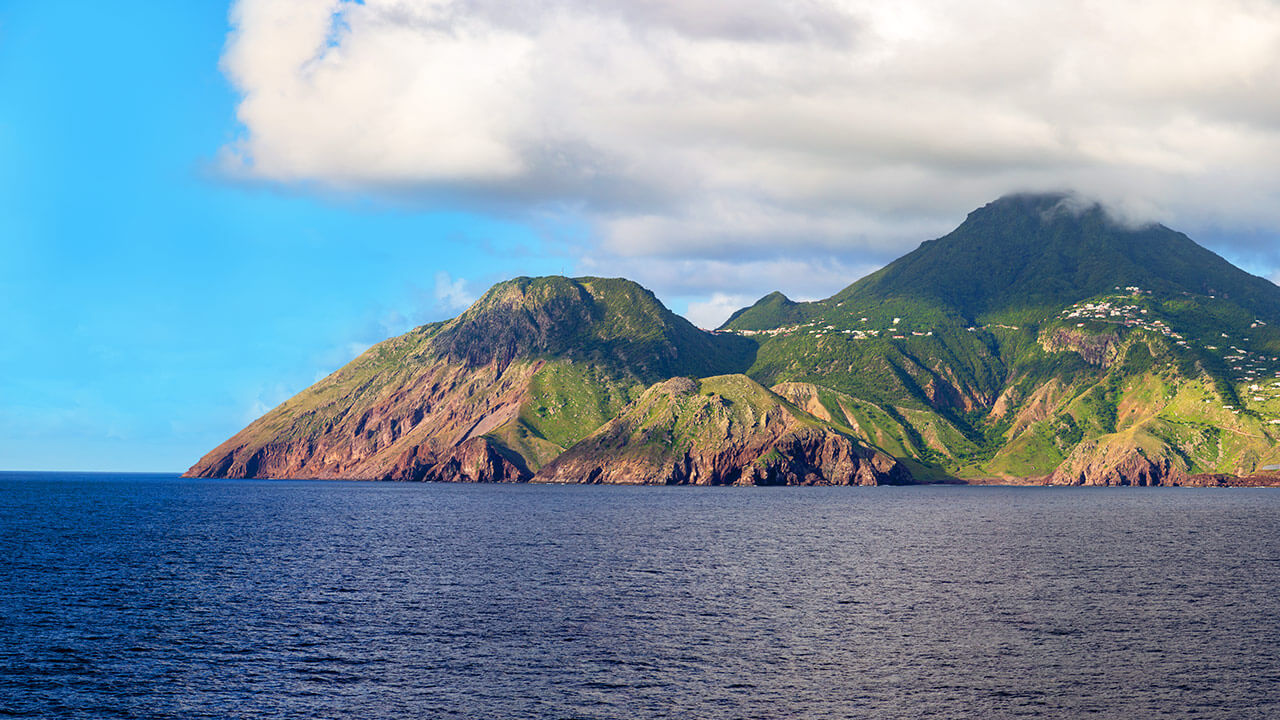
[[769, 311], [1047, 208], [1040, 201], [613, 321], [1044, 250]]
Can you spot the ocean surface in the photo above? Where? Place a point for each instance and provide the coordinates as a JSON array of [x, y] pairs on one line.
[[154, 597]]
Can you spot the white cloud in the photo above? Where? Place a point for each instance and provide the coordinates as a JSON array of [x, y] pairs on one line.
[[263, 399], [712, 313], [733, 132], [810, 277], [451, 294]]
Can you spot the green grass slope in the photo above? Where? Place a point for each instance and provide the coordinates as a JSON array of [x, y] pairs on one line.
[[1018, 331], [718, 431]]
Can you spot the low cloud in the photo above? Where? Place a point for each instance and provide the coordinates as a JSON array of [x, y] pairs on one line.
[[452, 294], [707, 132], [712, 313], [799, 278], [263, 399]]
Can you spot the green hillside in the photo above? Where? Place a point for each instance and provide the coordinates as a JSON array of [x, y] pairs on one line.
[[1039, 252], [1030, 292], [723, 430], [611, 322]]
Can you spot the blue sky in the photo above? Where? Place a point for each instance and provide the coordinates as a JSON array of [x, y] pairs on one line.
[[151, 304], [207, 205]]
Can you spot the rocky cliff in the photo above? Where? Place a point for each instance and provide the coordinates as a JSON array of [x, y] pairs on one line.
[[389, 415], [1118, 463], [1095, 349]]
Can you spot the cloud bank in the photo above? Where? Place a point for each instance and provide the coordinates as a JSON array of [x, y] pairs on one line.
[[725, 134]]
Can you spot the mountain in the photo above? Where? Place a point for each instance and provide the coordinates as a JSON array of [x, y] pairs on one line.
[[1043, 333], [1026, 252], [1042, 341], [611, 323], [1034, 252], [535, 365], [771, 311]]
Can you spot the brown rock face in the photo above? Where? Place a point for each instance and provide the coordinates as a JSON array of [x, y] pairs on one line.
[[1133, 467], [420, 423], [945, 390], [722, 431], [802, 458], [1221, 480], [1116, 464], [1095, 349], [516, 321], [476, 460]]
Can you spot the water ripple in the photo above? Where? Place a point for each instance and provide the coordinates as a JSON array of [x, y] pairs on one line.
[[153, 597]]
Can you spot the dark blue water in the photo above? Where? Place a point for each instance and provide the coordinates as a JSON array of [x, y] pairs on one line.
[[153, 597]]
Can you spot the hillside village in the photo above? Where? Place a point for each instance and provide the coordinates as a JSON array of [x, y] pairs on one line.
[[1124, 309], [817, 328], [1116, 310], [1245, 365]]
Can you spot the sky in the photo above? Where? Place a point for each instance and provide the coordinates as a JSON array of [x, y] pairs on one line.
[[206, 206]]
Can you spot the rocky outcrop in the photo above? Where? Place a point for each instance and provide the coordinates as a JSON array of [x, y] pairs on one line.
[[478, 460], [1117, 463], [406, 422], [725, 430], [1221, 480], [1100, 350], [1139, 468], [1042, 404], [518, 318], [945, 389]]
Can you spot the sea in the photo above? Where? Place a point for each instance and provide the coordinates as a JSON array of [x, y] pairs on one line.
[[151, 596]]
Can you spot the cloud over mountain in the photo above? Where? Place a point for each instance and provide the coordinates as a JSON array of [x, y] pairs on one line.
[[703, 131]]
